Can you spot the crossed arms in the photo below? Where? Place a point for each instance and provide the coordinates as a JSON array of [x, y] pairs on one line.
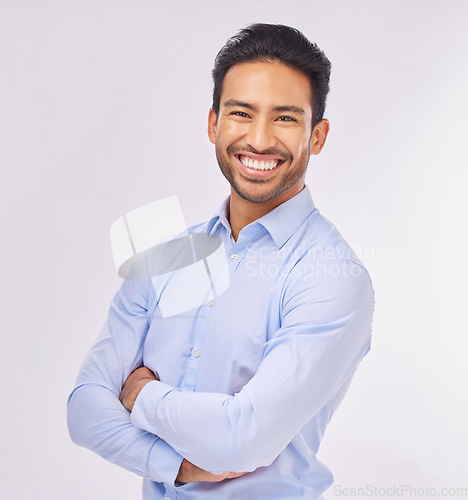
[[325, 332], [188, 472]]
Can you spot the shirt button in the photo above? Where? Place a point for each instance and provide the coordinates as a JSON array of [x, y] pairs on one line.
[[211, 303], [167, 498], [196, 353], [234, 257]]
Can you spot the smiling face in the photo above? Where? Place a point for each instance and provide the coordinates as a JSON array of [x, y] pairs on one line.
[[263, 132]]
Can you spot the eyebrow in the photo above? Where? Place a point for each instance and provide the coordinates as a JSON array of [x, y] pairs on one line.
[[289, 109], [231, 103]]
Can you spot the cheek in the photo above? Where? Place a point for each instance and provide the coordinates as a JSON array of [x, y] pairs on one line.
[[298, 147], [236, 133], [297, 142], [232, 130]]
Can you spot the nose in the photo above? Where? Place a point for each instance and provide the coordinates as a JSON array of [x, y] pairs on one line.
[[260, 135]]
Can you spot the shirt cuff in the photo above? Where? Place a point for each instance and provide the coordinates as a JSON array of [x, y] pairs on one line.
[[144, 410], [163, 463]]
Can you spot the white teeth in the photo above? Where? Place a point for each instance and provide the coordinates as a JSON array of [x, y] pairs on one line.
[[258, 165]]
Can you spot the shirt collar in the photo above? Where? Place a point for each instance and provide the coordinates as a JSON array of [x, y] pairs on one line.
[[281, 223], [284, 220], [220, 218]]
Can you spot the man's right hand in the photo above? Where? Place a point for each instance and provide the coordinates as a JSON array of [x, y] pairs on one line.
[[189, 473]]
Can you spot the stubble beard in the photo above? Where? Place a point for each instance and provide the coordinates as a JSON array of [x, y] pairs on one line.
[[290, 179]]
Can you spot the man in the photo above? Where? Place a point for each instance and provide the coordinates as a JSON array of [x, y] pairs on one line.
[[232, 400]]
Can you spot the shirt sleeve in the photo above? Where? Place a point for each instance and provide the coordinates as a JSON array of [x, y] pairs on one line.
[[325, 331], [96, 418]]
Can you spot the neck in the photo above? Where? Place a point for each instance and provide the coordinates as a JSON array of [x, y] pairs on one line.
[[243, 212]]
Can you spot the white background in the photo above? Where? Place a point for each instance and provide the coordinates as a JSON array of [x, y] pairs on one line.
[[103, 108]]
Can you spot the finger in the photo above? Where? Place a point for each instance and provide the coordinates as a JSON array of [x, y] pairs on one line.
[[232, 475]]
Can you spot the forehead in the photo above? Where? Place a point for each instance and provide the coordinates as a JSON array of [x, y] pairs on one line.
[[267, 83]]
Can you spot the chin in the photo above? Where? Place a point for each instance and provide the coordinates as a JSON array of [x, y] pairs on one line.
[[261, 196]]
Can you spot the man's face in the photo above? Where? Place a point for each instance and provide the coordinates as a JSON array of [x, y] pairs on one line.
[[263, 132]]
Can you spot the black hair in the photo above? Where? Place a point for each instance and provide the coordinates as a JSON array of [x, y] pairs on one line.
[[270, 43]]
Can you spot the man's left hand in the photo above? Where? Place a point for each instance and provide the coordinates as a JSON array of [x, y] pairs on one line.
[[134, 384]]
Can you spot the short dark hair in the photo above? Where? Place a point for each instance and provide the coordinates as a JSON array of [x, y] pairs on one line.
[[270, 43]]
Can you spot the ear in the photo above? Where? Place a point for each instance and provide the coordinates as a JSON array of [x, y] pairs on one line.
[[319, 136], [212, 125]]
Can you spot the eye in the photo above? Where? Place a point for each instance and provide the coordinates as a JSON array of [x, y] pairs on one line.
[[240, 113], [286, 119]]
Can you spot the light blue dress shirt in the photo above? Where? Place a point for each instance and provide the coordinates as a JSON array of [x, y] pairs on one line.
[[250, 380]]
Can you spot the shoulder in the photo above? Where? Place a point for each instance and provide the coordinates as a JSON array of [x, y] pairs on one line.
[[325, 268]]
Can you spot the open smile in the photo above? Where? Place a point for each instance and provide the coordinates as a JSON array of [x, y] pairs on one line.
[[260, 163]]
